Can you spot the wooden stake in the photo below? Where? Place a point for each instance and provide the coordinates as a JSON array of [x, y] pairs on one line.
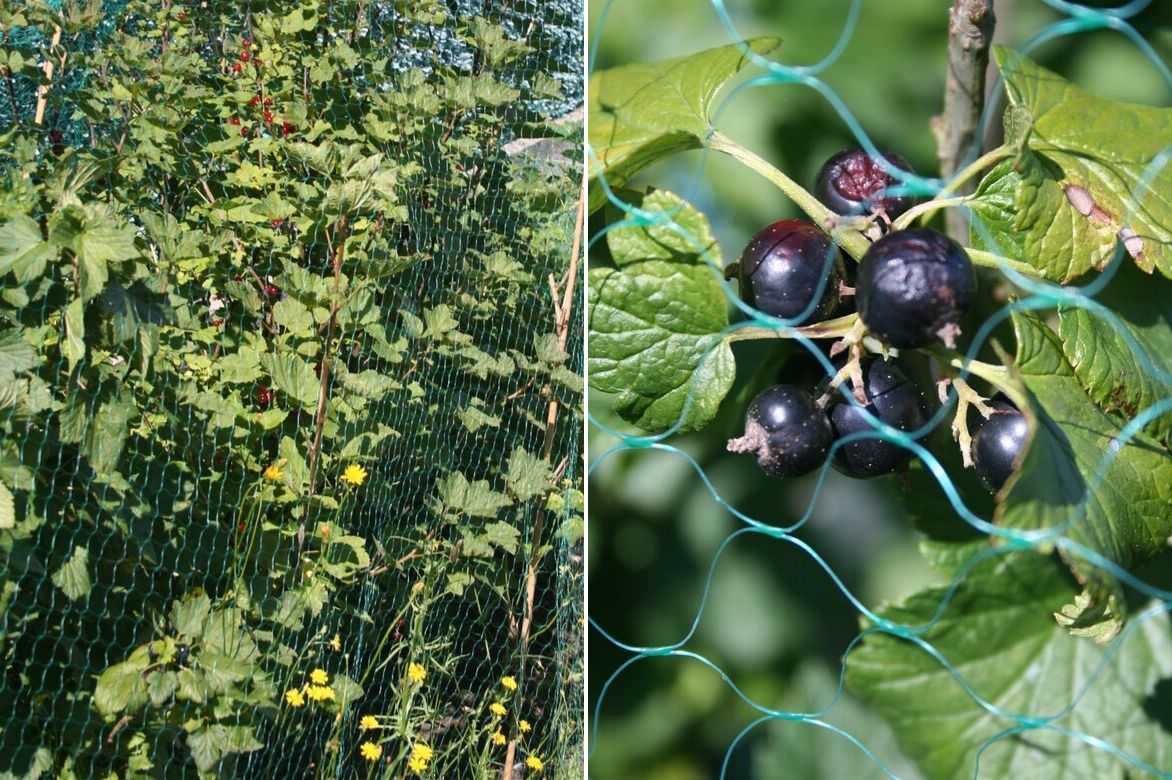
[[562, 313]]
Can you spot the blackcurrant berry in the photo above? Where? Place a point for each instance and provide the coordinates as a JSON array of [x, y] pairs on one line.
[[999, 443], [782, 266], [851, 182], [787, 431], [892, 398], [913, 287]]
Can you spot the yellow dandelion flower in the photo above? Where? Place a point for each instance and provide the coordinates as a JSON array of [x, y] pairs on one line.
[[422, 752], [294, 698], [497, 709], [416, 672], [498, 738], [320, 693], [524, 726], [371, 751], [534, 763], [336, 643], [354, 474], [319, 677], [273, 472], [368, 722], [417, 766], [509, 682]]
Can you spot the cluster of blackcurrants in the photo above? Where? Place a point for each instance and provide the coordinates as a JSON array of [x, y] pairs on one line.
[[910, 288]]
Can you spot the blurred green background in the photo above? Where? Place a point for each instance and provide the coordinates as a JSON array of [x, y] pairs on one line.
[[774, 621]]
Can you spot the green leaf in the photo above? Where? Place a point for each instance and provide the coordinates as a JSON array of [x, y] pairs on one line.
[[346, 689], [548, 350], [105, 437], [998, 633], [192, 686], [189, 615], [474, 419], [292, 315], [1114, 375], [122, 686], [96, 239], [21, 245], [1101, 147], [296, 470], [457, 582], [293, 377], [473, 499], [528, 475], [16, 354], [209, 745], [439, 322], [642, 112], [73, 578], [161, 686], [1122, 514], [656, 320], [74, 345], [502, 535], [240, 366]]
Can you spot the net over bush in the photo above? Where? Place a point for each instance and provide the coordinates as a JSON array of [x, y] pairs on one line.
[[290, 396], [1015, 374]]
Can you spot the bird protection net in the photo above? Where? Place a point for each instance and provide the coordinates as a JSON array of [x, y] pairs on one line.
[[290, 389], [1040, 645]]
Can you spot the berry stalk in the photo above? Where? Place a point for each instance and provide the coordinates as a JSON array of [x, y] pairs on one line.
[[852, 241]]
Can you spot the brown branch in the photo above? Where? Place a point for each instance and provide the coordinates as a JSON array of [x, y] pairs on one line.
[[326, 362], [970, 33], [562, 313]]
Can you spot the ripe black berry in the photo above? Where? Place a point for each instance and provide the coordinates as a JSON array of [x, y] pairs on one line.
[[891, 397], [999, 443], [851, 182], [782, 266], [913, 287], [787, 431]]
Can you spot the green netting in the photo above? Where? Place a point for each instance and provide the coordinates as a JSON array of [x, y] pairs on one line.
[[286, 301], [1036, 639]]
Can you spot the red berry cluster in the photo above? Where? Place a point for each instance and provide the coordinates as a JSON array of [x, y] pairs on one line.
[[245, 57], [264, 104]]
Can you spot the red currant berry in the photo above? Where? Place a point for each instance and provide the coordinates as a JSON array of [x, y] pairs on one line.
[[237, 67], [287, 127], [235, 120], [245, 56], [255, 101], [264, 396], [268, 116]]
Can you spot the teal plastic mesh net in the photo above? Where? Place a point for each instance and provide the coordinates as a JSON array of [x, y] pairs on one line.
[[290, 394], [1037, 645]]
